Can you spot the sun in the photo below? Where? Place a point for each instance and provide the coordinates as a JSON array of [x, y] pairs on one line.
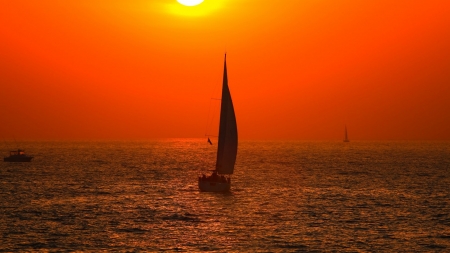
[[193, 8], [190, 2]]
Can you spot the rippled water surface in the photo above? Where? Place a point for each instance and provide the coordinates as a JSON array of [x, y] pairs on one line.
[[285, 197]]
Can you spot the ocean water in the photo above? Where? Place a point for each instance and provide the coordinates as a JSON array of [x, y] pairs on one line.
[[285, 197]]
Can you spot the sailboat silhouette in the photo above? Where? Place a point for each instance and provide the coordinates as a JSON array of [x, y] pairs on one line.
[[227, 146], [346, 135]]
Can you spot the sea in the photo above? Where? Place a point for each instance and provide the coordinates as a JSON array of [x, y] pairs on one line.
[[286, 196]]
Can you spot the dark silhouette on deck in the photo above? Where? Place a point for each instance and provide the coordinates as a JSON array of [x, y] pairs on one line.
[[215, 178]]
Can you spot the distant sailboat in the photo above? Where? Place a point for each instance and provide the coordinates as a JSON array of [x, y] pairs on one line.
[[227, 146], [346, 135]]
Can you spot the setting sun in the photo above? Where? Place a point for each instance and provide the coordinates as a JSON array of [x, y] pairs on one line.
[[190, 2], [200, 8]]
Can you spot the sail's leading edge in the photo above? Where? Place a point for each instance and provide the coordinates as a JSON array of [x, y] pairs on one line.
[[228, 138]]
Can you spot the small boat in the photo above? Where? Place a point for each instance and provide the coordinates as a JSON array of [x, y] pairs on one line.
[[17, 156], [219, 180], [346, 135]]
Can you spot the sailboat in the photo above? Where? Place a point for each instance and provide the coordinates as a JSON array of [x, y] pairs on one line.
[[220, 180], [346, 135]]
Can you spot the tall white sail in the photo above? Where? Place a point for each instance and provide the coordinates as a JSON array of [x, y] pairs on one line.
[[228, 137]]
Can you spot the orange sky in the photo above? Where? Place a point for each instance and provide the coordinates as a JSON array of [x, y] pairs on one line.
[[298, 69]]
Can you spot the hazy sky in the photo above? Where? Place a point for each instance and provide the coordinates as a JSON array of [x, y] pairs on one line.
[[297, 69]]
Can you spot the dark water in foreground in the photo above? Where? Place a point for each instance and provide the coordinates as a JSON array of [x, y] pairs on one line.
[[286, 197]]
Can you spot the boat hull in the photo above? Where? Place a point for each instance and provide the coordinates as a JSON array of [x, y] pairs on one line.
[[18, 159], [211, 186]]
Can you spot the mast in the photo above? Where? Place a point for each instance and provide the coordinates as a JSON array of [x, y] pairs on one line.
[[228, 138]]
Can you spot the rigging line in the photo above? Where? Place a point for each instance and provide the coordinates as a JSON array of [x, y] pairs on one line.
[[210, 119], [207, 118], [213, 116]]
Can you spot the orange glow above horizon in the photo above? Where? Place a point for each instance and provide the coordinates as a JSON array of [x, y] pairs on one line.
[[297, 69]]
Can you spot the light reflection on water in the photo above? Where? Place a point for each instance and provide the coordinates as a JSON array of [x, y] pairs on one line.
[[286, 196]]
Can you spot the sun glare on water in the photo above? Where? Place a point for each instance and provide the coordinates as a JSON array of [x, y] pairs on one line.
[[190, 2]]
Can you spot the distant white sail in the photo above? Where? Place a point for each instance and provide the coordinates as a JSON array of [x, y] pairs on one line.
[[228, 136]]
